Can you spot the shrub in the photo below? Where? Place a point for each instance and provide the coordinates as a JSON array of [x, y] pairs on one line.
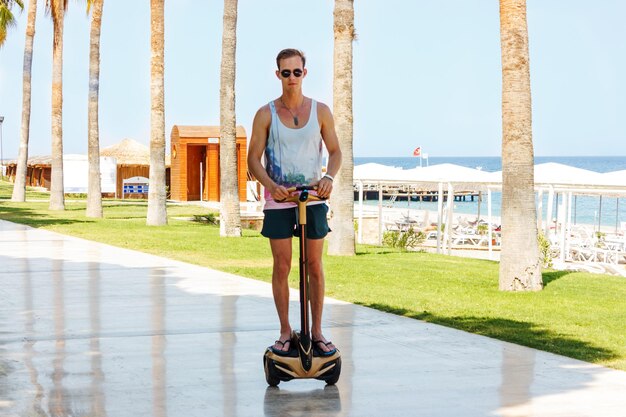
[[210, 218], [600, 236], [403, 240], [544, 250]]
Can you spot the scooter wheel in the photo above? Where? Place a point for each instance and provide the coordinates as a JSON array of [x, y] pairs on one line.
[[337, 371], [270, 372]]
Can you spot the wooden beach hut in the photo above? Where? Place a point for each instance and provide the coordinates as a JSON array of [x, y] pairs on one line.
[[133, 160], [38, 171], [195, 168]]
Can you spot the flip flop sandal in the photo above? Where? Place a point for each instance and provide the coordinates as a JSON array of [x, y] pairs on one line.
[[282, 343], [320, 351]]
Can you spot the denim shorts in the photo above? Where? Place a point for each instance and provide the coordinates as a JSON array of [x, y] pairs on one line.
[[283, 223]]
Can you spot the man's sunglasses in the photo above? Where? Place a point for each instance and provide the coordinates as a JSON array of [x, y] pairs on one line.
[[286, 73]]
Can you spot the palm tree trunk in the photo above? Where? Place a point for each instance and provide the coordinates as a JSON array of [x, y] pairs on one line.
[[341, 241], [520, 266], [230, 223], [19, 188], [94, 191], [57, 197], [157, 213]]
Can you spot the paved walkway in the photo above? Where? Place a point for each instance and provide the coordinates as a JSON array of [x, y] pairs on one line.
[[88, 329]]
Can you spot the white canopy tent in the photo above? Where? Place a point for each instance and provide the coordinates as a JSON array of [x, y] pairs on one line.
[[549, 177], [615, 178], [449, 173], [452, 175], [378, 172], [377, 176], [555, 179], [552, 173]]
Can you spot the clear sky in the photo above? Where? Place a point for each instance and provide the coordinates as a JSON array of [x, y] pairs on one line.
[[426, 73]]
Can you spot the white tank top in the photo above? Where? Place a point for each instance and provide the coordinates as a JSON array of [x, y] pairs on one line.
[[293, 156]]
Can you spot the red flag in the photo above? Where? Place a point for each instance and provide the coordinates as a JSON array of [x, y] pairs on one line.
[[417, 151]]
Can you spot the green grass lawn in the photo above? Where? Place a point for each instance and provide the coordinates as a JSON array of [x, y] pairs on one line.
[[579, 315]]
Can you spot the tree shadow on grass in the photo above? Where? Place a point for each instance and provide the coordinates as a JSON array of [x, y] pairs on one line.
[[519, 332], [383, 250], [124, 203], [74, 207], [125, 217], [32, 218], [549, 276]]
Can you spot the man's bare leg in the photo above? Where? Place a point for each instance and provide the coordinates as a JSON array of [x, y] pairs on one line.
[[281, 252], [316, 291]]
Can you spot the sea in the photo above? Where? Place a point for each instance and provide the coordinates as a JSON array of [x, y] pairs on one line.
[[605, 213]]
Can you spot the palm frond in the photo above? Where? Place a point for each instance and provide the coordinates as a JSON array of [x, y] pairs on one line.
[[7, 19]]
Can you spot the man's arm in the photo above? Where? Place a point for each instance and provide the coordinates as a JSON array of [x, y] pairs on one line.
[[256, 149], [329, 136]]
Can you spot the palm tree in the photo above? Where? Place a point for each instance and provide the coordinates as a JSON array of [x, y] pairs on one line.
[[6, 17], [94, 191], [6, 20], [341, 241], [19, 187], [57, 197], [157, 212], [520, 267], [230, 223]]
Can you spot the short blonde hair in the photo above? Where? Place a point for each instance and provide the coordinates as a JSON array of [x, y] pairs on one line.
[[288, 53]]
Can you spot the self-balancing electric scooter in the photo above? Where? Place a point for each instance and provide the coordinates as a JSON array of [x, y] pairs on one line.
[[302, 360]]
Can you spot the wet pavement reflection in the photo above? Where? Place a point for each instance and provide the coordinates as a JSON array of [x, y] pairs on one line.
[[318, 402], [97, 376], [158, 308], [92, 330]]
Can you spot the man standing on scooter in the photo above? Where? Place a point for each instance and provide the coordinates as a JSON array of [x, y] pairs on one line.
[[289, 132]]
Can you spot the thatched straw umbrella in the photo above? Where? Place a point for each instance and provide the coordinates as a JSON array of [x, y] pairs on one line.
[[133, 160], [128, 152]]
